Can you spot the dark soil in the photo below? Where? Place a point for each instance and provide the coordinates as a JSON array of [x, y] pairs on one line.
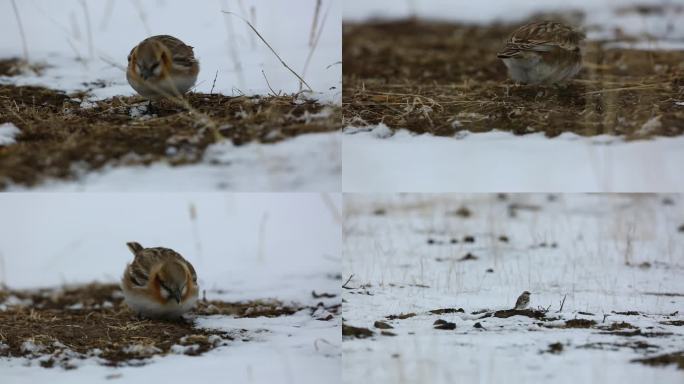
[[555, 348], [579, 323], [401, 316], [506, 313], [356, 332], [382, 325], [92, 321], [676, 358], [59, 138], [441, 78], [442, 311], [444, 325]]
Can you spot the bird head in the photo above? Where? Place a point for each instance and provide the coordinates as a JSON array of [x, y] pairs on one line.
[[173, 278]]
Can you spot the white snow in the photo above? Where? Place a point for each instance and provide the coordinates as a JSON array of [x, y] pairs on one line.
[[305, 163], [404, 259], [243, 246], [500, 161], [8, 132]]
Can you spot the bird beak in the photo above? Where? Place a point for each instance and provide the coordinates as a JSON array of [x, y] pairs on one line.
[[177, 296]]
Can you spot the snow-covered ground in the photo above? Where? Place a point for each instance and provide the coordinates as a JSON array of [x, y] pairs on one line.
[[403, 252], [85, 45], [498, 161], [243, 246], [501, 161]]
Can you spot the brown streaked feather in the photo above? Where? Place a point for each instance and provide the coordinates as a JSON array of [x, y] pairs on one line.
[[542, 37], [181, 53], [146, 259]]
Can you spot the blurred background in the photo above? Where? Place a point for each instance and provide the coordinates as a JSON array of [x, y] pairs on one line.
[[660, 21], [79, 40], [243, 245]]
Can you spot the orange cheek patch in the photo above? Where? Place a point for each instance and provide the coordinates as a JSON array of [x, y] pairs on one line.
[[156, 290]]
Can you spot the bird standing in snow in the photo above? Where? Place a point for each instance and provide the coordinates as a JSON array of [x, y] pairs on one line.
[[523, 301]]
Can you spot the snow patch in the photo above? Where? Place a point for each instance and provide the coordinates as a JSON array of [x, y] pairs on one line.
[[8, 133]]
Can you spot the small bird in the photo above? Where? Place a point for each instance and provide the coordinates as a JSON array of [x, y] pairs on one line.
[[523, 301], [162, 67], [545, 52], [159, 283]]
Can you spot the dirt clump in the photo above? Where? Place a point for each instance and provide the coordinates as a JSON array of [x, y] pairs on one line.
[[58, 327]]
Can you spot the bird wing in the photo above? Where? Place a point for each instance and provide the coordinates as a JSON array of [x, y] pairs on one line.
[[181, 53], [541, 37], [147, 258]]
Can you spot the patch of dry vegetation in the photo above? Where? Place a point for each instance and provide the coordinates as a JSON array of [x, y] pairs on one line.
[[61, 135], [438, 77], [59, 327]]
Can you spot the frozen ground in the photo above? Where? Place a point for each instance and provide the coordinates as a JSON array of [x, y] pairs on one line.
[[498, 161], [405, 252], [244, 247], [85, 45]]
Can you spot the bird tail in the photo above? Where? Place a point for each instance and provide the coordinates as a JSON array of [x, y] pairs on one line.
[[134, 247]]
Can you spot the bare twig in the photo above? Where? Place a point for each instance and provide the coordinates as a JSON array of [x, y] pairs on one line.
[[271, 48], [347, 282], [214, 83], [269, 84], [562, 303], [21, 31]]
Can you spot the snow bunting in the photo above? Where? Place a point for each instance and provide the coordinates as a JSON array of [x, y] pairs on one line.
[[523, 301], [159, 282], [544, 52], [162, 66]]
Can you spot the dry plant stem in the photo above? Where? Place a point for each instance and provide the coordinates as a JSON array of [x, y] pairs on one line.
[[314, 24], [241, 3], [271, 48], [91, 48], [262, 236], [253, 19], [211, 92], [232, 47], [347, 282], [21, 31], [331, 206], [316, 37], [269, 84], [562, 303], [142, 15]]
